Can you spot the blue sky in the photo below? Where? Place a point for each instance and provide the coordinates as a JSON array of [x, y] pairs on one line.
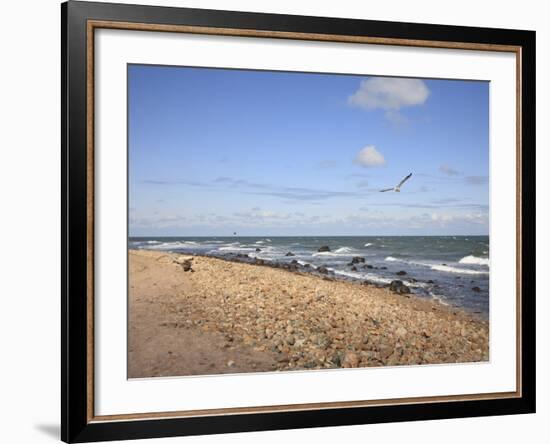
[[216, 151]]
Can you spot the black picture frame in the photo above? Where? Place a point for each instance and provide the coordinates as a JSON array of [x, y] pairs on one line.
[[76, 423]]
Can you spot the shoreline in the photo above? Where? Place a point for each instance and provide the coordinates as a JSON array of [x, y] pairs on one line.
[[195, 314], [400, 284]]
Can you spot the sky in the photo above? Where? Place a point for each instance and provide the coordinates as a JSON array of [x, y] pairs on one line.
[[263, 153]]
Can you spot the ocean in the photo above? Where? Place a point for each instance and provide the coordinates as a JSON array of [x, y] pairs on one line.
[[451, 269]]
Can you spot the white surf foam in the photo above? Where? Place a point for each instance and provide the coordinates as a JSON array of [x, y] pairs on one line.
[[366, 276], [342, 251], [438, 298], [449, 269], [235, 248], [392, 259], [165, 246], [474, 260]]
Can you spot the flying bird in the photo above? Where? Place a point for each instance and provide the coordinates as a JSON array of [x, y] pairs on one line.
[[397, 188]]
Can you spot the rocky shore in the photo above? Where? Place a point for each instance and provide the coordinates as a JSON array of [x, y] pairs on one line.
[[202, 315]]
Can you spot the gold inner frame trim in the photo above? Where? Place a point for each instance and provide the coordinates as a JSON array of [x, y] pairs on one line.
[[96, 24]]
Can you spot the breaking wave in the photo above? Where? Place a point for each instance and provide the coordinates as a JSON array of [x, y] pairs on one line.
[[392, 259], [474, 260], [449, 269]]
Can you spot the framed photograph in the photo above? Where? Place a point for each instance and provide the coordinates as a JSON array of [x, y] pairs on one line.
[[276, 221]]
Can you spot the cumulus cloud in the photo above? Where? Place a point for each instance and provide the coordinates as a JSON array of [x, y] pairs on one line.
[[446, 169], [389, 94], [369, 156]]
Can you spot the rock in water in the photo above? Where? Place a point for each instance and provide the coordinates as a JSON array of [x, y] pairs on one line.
[[323, 248], [476, 289], [290, 253], [322, 269], [401, 273], [399, 287], [357, 260], [258, 250]]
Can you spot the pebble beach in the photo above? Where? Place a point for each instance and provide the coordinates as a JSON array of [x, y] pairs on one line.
[[197, 315]]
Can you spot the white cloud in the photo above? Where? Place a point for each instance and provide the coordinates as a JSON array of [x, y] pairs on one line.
[[389, 94], [369, 156]]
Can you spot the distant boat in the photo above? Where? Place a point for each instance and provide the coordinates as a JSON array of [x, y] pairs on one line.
[[397, 188]]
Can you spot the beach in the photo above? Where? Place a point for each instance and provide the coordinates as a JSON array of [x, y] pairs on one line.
[[196, 315], [453, 270]]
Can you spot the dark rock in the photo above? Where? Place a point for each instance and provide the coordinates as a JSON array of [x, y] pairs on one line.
[[323, 248], [322, 269], [354, 268], [429, 281], [399, 287], [294, 261], [337, 359], [258, 250], [383, 268], [307, 266], [290, 253], [401, 273], [370, 267], [357, 260], [476, 289], [242, 255], [186, 266]]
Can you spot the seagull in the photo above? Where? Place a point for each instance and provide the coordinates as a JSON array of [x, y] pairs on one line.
[[397, 189]]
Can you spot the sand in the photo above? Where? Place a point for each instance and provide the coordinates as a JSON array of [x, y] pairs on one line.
[[228, 317]]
